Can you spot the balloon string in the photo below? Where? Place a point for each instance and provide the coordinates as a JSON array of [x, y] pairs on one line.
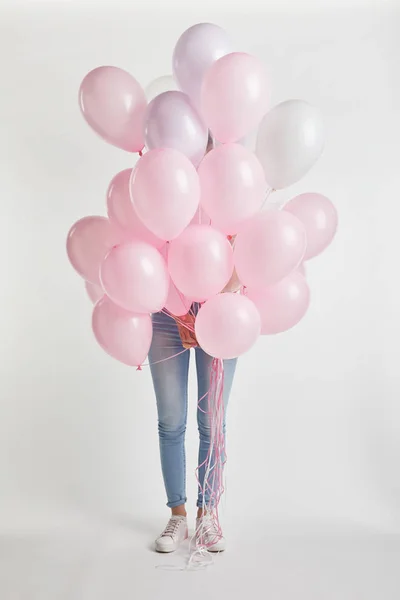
[[267, 195], [156, 362], [209, 531]]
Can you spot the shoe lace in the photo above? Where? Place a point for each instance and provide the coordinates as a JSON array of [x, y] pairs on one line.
[[171, 528]]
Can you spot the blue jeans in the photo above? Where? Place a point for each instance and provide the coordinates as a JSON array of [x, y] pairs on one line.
[[170, 380]]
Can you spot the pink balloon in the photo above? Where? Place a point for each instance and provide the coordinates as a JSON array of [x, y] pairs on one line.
[[134, 275], [200, 262], [172, 122], [271, 246], [233, 186], [94, 291], [227, 325], [113, 104], [165, 192], [196, 50], [234, 96], [319, 218], [282, 305], [124, 335], [88, 242], [121, 211]]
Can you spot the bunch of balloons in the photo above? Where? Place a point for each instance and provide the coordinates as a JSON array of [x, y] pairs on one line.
[[185, 224]]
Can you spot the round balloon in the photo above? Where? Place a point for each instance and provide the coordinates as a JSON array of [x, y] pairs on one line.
[[200, 262], [270, 247], [290, 140], [134, 275], [319, 218], [165, 83], [123, 335], [233, 186], [165, 191], [172, 122], [234, 96], [122, 214], [282, 305], [113, 104], [227, 325], [196, 50], [88, 241]]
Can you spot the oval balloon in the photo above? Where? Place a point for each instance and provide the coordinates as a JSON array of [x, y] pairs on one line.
[[282, 305], [165, 83], [113, 104], [270, 247], [172, 122], [319, 218], [200, 262], [88, 242], [290, 140], [165, 191], [234, 96], [233, 186], [227, 325], [122, 213], [134, 275], [196, 50], [123, 335]]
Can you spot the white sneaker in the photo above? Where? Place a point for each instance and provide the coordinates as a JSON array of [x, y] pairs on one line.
[[207, 535], [173, 535]]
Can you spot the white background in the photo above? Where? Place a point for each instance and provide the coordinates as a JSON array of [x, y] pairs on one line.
[[314, 417]]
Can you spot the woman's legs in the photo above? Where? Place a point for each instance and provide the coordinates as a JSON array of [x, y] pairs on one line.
[[203, 365], [170, 380]]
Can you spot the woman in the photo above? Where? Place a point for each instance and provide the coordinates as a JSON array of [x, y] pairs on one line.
[[170, 379]]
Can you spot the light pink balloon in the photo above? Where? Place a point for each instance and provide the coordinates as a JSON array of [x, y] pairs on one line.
[[319, 218], [177, 304], [196, 50], [113, 104], [134, 275], [121, 211], [171, 121], [88, 242], [282, 305], [271, 246], [233, 186], [165, 192], [94, 291], [234, 96], [124, 335], [200, 262], [227, 325]]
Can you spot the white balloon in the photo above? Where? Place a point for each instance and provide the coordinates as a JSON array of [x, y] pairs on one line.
[[290, 140], [166, 83]]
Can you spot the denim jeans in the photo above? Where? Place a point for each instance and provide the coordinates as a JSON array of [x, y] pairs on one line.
[[170, 380]]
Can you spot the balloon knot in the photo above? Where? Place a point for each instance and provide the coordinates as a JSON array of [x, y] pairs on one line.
[[139, 368], [140, 153]]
